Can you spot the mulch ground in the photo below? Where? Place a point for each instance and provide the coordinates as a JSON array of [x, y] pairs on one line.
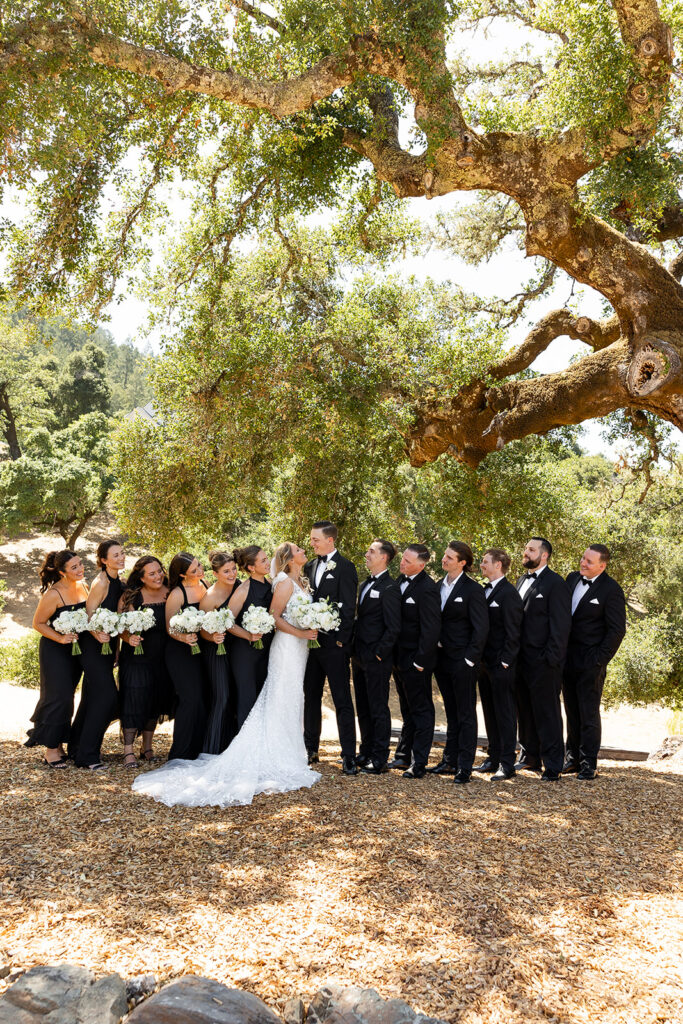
[[521, 902]]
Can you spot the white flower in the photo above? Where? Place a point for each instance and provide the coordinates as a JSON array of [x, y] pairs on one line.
[[137, 621], [74, 621], [103, 620], [218, 620], [331, 565], [258, 620], [189, 620]]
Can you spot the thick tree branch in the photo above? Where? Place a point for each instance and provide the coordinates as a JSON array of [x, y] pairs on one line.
[[559, 323], [259, 16], [668, 227], [676, 266]]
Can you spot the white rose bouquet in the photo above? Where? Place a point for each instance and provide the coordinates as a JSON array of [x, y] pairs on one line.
[[258, 620], [321, 615], [218, 620], [74, 621], [189, 620], [137, 621], [103, 620]]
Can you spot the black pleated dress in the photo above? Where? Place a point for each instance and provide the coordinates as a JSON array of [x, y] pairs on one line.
[[221, 723], [249, 664], [187, 674], [145, 687], [60, 671], [99, 705]]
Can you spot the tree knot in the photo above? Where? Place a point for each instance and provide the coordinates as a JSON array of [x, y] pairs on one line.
[[653, 365]]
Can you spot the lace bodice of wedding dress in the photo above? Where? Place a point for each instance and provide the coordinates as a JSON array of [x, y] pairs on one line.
[[267, 755]]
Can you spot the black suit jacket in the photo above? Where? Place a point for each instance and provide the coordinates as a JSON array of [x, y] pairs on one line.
[[464, 620], [599, 622], [339, 585], [505, 625], [420, 624], [547, 618], [378, 619]]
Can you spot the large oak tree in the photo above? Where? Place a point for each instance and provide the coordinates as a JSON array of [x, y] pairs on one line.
[[290, 106]]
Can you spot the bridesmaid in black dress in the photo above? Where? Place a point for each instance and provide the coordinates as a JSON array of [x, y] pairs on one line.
[[220, 728], [145, 688], [185, 668], [249, 664], [63, 589], [99, 705]]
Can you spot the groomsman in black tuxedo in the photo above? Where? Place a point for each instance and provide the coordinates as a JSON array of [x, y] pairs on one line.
[[378, 624], [331, 576], [414, 658], [497, 672], [598, 627], [545, 631], [464, 628]]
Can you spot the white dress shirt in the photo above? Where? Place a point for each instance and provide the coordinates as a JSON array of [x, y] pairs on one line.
[[527, 583], [491, 584], [368, 584], [322, 567], [581, 588], [446, 589]]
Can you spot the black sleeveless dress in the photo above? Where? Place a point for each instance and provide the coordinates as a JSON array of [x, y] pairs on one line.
[[145, 687], [187, 674], [60, 672], [249, 664], [220, 726], [99, 705]]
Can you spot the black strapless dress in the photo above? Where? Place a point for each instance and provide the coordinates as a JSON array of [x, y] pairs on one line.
[[145, 687], [187, 674], [220, 726], [60, 672], [249, 664]]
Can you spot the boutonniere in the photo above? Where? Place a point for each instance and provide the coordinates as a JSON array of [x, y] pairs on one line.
[[331, 565]]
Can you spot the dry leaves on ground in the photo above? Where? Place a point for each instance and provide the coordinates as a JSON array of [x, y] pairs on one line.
[[525, 902]]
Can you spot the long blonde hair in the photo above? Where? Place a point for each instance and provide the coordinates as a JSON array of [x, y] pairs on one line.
[[282, 558]]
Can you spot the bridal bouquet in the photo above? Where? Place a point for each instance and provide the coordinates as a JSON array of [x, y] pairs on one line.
[[258, 620], [103, 620], [189, 620], [321, 615], [75, 621], [137, 621], [219, 620]]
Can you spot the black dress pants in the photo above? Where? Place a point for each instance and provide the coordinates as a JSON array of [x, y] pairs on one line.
[[331, 663], [371, 686], [457, 682], [582, 685], [417, 711], [540, 716], [497, 692]]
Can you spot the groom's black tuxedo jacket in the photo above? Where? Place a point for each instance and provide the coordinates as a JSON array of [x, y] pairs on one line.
[[378, 619], [464, 620], [599, 622], [505, 625], [420, 623], [339, 585], [547, 619]]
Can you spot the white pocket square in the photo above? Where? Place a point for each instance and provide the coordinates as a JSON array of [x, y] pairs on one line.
[[374, 593], [329, 576], [457, 599], [494, 604], [594, 600], [538, 595], [409, 600]]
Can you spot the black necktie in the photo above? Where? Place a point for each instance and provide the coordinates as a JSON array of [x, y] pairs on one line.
[[531, 576]]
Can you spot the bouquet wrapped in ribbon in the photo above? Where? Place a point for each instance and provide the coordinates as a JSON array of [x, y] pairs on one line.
[[136, 622], [103, 620], [189, 620], [218, 620], [258, 620], [321, 615], [74, 621]]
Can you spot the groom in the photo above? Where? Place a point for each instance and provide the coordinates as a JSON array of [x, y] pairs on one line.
[[331, 576]]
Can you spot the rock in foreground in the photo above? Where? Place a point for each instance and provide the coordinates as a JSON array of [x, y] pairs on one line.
[[64, 995]]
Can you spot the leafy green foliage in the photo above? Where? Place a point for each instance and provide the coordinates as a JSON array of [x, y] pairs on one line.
[[19, 661]]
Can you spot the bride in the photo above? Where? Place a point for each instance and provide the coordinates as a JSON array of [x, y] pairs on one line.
[[268, 754]]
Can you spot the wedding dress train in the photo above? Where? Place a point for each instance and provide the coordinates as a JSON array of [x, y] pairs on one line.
[[267, 755]]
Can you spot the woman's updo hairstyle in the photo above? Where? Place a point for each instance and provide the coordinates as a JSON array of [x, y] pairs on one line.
[[217, 559], [103, 548], [246, 556], [52, 568], [282, 558], [135, 583], [180, 563]]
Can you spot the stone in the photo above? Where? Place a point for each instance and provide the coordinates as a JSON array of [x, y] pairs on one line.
[[5, 971], [336, 1005], [294, 1011], [139, 988], [193, 1000], [64, 994], [671, 750]]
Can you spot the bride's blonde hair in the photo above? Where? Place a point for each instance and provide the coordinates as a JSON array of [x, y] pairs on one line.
[[282, 558]]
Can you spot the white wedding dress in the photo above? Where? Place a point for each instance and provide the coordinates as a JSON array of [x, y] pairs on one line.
[[267, 755]]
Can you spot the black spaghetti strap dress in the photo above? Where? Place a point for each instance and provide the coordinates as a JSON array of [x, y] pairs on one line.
[[99, 705], [145, 687], [249, 664], [217, 670], [187, 674], [60, 671]]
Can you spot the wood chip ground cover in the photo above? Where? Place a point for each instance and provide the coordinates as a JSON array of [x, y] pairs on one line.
[[522, 902]]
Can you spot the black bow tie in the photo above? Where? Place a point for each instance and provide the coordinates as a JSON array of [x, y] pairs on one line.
[[488, 586], [587, 582], [531, 576], [323, 558], [402, 578]]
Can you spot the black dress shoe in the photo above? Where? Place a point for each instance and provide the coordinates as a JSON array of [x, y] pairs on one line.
[[416, 771], [550, 776], [486, 766], [313, 756], [443, 768], [529, 766], [586, 773], [362, 760], [398, 763], [374, 768], [349, 766], [503, 773], [462, 777], [569, 767]]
